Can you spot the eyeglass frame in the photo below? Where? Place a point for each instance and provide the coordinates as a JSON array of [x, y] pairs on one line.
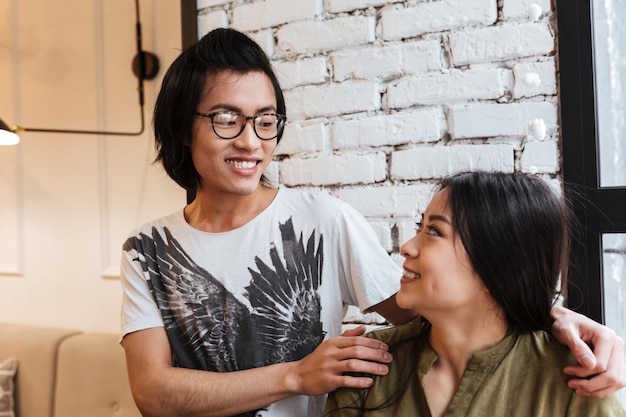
[[281, 120]]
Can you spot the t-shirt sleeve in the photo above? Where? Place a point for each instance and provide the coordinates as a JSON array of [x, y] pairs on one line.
[[369, 274], [139, 309]]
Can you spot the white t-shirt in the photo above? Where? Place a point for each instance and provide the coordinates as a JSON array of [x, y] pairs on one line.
[[267, 292]]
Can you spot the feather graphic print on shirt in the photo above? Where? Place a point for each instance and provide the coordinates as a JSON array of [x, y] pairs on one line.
[[210, 329]]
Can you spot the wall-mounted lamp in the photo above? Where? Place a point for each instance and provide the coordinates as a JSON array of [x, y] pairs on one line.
[[7, 135], [145, 66]]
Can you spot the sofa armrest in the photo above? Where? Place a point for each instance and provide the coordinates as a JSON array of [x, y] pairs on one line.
[[36, 350], [92, 379]]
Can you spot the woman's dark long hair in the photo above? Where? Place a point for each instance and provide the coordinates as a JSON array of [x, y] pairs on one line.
[[182, 89], [515, 230]]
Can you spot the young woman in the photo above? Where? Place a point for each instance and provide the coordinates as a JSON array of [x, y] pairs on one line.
[[483, 271]]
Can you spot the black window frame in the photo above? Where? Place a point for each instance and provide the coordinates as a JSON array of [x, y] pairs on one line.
[[598, 210]]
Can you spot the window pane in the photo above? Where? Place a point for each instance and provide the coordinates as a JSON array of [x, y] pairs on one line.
[[609, 36], [614, 270]]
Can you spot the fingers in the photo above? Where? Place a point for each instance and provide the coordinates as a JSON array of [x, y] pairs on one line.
[[355, 365], [343, 342], [357, 331], [577, 332], [599, 386], [608, 349], [609, 375], [578, 371], [569, 335], [601, 371], [585, 357], [357, 356], [359, 349], [343, 361], [355, 382]]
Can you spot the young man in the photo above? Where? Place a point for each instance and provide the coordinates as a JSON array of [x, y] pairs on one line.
[[233, 305]]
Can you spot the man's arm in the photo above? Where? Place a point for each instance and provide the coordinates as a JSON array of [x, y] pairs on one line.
[[159, 389], [603, 370]]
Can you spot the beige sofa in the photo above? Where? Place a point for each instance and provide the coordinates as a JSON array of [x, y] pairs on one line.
[[67, 373]]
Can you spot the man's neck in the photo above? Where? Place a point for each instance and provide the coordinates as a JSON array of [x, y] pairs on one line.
[[214, 214]]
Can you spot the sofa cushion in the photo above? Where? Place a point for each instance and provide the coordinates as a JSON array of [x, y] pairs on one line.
[[7, 375]]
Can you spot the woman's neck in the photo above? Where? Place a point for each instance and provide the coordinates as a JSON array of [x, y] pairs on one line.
[[455, 339], [456, 342]]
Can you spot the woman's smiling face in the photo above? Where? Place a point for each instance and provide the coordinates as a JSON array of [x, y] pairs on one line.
[[437, 273]]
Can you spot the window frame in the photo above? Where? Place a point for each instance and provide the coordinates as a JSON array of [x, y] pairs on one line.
[[596, 210]]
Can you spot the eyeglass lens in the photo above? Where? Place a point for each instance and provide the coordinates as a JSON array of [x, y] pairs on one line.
[[230, 124]]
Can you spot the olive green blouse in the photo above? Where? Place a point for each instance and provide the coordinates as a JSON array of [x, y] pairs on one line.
[[522, 376]]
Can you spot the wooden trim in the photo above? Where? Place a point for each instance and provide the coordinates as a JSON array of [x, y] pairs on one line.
[[188, 22], [189, 28]]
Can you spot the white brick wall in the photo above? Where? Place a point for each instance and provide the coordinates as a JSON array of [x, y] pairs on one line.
[[408, 21], [427, 125], [535, 78], [372, 62], [314, 36], [450, 86], [384, 97], [324, 169], [269, 13], [438, 161], [337, 6], [318, 101], [493, 120], [399, 200], [217, 19], [500, 43], [311, 136], [201, 4], [307, 71], [525, 9]]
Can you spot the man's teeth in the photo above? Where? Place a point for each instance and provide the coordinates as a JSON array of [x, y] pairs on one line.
[[241, 164], [410, 275]]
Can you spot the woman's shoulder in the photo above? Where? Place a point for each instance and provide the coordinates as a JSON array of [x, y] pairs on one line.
[[545, 346], [407, 332], [541, 359]]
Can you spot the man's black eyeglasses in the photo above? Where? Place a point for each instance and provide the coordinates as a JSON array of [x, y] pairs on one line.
[[230, 124]]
